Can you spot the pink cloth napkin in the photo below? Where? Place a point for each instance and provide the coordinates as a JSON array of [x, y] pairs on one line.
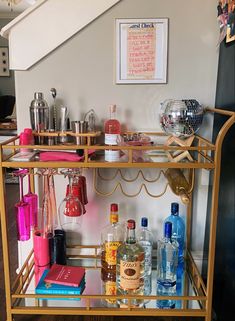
[[62, 156]]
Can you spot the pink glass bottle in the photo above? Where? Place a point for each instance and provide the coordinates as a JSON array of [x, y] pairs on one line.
[[112, 131]]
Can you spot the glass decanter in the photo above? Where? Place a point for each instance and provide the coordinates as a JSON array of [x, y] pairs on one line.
[[71, 209]]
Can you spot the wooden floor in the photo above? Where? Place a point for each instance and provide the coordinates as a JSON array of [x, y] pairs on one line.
[[12, 191]]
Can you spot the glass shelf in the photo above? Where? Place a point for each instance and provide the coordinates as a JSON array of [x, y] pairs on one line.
[[188, 301], [158, 154]]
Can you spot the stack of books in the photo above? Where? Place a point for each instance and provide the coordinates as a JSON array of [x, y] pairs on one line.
[[62, 280]]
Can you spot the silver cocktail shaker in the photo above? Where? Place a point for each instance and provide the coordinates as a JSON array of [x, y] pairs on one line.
[[39, 116]]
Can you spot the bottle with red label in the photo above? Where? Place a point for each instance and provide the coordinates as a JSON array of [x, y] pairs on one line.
[[112, 131], [130, 268], [111, 238]]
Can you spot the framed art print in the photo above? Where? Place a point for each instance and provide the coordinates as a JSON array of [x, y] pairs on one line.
[[141, 51]]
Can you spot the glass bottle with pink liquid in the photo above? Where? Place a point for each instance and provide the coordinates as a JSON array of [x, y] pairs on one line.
[[112, 131]]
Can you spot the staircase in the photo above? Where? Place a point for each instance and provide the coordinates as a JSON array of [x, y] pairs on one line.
[[46, 25]]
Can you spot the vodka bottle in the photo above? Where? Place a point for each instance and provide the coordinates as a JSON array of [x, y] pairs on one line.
[[111, 238], [178, 230], [112, 131], [130, 268], [167, 258], [178, 183], [145, 239]]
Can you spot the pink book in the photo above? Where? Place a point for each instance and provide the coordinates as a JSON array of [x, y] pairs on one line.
[[65, 275]]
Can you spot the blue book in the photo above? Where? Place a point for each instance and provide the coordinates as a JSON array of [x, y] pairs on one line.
[[52, 288]]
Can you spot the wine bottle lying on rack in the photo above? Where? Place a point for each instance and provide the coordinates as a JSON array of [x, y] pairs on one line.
[[178, 183]]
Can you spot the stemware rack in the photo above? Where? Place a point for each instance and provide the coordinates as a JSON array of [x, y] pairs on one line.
[[196, 301]]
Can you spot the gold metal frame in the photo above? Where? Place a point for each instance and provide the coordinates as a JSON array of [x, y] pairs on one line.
[[205, 155]]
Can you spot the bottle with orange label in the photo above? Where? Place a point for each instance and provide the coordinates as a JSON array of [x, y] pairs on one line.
[[130, 269], [111, 238]]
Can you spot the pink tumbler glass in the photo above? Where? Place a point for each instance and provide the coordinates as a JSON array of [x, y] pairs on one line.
[[22, 212]]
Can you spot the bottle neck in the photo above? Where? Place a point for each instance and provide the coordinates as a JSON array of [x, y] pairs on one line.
[[130, 238], [112, 112], [113, 218], [167, 238]]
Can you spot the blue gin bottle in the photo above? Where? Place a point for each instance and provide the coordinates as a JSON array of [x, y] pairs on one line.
[[145, 239], [167, 260], [178, 231]]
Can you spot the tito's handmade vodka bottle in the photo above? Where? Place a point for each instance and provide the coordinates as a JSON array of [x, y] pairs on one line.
[[130, 268], [112, 131]]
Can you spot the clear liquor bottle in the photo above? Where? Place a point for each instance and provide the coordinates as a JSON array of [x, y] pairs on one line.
[[178, 230], [112, 131], [145, 239], [167, 258], [130, 268], [178, 183], [112, 237]]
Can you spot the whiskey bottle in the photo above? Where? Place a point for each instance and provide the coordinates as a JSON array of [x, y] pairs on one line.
[[178, 183], [167, 259], [111, 238], [130, 268], [112, 131]]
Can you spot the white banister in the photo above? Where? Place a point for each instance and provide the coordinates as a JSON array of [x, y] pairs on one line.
[[46, 25]]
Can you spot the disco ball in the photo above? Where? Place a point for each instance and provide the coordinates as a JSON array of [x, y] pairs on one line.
[[181, 118]]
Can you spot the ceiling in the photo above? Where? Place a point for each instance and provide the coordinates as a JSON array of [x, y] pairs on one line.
[[5, 10]]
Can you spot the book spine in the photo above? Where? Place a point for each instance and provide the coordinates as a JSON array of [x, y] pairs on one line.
[[58, 292]]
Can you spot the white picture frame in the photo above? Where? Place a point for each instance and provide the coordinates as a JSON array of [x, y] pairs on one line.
[[141, 51]]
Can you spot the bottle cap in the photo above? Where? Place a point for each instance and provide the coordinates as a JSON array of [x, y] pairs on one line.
[[59, 232], [168, 229], [28, 131], [144, 222], [114, 207], [175, 208], [131, 224], [38, 95], [24, 139]]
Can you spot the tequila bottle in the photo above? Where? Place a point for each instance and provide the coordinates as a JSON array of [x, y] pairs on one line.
[[167, 258], [130, 268]]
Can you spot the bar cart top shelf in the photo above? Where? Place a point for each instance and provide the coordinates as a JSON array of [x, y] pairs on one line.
[[200, 154]]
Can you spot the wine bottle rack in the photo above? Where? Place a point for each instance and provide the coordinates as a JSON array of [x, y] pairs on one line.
[[196, 299]]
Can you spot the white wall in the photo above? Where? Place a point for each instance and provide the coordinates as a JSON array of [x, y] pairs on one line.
[[82, 71]]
